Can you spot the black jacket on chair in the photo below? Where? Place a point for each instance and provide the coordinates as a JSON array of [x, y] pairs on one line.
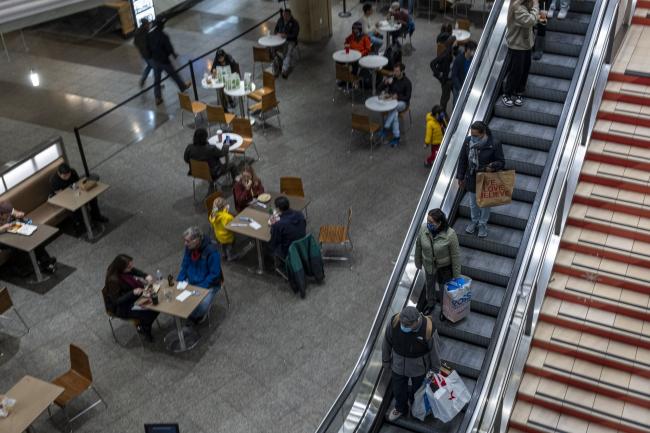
[[209, 154], [491, 153]]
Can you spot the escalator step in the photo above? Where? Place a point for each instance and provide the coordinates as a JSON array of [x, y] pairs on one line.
[[487, 298], [504, 241], [476, 328], [525, 187], [566, 44], [585, 7], [525, 161], [513, 215], [547, 88], [523, 134], [484, 266], [463, 357], [554, 65], [574, 22], [534, 111]]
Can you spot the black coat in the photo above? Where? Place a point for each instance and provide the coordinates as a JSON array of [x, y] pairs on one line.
[[490, 154], [291, 227], [160, 46], [209, 154], [118, 295]]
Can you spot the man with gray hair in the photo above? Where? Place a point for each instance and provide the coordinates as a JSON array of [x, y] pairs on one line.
[[201, 267], [410, 349]]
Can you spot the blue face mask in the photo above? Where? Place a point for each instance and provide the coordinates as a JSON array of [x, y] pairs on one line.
[[405, 329], [474, 140], [432, 228]]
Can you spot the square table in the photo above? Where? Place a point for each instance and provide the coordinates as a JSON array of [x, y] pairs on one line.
[[184, 338], [32, 397], [259, 212], [29, 243], [76, 199]]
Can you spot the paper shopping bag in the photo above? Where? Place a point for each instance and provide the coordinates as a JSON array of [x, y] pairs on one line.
[[494, 188], [450, 398]]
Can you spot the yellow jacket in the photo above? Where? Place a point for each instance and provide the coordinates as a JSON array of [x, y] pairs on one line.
[[219, 220], [434, 131]]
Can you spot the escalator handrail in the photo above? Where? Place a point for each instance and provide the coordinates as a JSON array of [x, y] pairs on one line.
[[457, 118]]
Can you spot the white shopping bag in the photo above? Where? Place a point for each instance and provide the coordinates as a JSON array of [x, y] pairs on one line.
[[450, 398], [457, 298], [422, 399]]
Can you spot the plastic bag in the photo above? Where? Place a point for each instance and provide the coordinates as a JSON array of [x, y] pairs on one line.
[[421, 406], [450, 398], [457, 298]]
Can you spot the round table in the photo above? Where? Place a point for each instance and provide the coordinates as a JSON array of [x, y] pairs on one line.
[[373, 62], [271, 41], [461, 35], [341, 57], [240, 93], [218, 86], [380, 105], [385, 26], [236, 140]]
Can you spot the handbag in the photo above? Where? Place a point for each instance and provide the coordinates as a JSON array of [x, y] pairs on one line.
[[494, 188]]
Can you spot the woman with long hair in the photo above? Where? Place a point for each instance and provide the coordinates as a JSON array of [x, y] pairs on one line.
[[247, 186]]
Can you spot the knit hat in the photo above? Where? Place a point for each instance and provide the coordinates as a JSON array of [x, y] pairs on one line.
[[409, 316], [394, 6]]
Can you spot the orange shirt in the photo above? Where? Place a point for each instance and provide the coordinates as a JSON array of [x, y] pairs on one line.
[[362, 44]]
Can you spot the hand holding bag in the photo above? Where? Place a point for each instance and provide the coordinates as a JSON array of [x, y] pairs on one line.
[[494, 188]]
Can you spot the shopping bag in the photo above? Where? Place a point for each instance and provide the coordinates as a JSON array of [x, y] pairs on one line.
[[421, 406], [450, 398], [494, 188], [456, 298]]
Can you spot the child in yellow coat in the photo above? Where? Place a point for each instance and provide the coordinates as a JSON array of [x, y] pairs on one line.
[[436, 125], [219, 218]]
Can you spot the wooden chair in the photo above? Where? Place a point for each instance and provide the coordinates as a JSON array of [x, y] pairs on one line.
[[242, 126], [406, 111], [268, 103], [7, 304], [75, 382], [336, 235], [216, 114], [463, 24], [187, 105], [268, 86], [209, 200], [261, 55], [344, 74], [362, 123], [292, 186], [200, 170]]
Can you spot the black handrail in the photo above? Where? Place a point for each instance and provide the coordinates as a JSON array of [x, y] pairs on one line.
[[147, 89]]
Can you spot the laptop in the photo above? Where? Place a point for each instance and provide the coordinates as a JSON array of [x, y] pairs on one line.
[[161, 428]]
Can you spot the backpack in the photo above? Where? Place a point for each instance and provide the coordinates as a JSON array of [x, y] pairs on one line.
[[429, 323]]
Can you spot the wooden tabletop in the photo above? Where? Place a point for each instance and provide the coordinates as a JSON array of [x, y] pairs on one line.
[[175, 307], [32, 397], [28, 243], [68, 199]]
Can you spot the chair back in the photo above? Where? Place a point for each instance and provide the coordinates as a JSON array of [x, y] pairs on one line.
[[242, 126], [291, 186], [464, 24], [268, 80], [200, 170], [216, 113], [79, 363], [209, 200], [185, 101], [347, 226], [5, 300], [360, 122], [343, 73], [262, 55], [269, 102]]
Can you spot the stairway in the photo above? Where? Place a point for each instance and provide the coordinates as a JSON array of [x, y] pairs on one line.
[[589, 366]]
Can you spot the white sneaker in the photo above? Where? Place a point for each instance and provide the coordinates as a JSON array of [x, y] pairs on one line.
[[562, 14], [550, 11], [393, 415]]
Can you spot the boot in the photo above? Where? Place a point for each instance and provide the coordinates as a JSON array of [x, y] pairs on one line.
[[538, 50]]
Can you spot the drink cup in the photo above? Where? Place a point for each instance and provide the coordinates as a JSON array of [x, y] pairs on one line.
[[154, 298], [170, 280], [347, 49], [219, 135]]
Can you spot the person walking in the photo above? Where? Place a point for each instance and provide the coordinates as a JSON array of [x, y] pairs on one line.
[[410, 350], [435, 130], [161, 48], [140, 42], [480, 152], [441, 65], [437, 252], [520, 38], [459, 69]]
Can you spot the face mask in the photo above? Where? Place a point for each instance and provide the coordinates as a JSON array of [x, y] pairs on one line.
[[405, 329], [432, 228], [474, 140], [441, 116]]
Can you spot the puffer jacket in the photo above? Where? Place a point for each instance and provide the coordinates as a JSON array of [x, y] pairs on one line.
[[437, 252], [434, 131], [490, 154], [521, 20], [219, 220], [204, 269]]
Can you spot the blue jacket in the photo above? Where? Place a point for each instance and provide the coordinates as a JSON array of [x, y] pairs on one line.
[[289, 228], [204, 272], [459, 70]]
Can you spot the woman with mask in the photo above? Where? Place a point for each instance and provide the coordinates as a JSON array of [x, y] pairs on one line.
[[435, 130], [438, 252], [480, 152]]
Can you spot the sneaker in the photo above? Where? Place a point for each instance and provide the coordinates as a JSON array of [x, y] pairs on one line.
[[471, 228], [562, 14], [551, 11], [394, 415], [482, 231], [519, 100], [507, 100], [394, 142]]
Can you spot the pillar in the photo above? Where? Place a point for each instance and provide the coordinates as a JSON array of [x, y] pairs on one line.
[[315, 18]]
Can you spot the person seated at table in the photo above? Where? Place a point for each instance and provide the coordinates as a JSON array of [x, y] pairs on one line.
[[221, 58], [357, 40], [402, 17], [21, 263], [287, 226], [64, 177], [288, 28], [370, 25], [123, 286], [398, 87], [247, 186], [201, 266], [201, 150], [219, 219]]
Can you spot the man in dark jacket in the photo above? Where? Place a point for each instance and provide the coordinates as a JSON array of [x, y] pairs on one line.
[[441, 66], [480, 152], [201, 150], [288, 28], [461, 65], [398, 87], [161, 48], [290, 227], [140, 42]]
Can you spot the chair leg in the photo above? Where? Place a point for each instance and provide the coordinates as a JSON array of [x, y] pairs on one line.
[[256, 152], [279, 123], [194, 188], [372, 141], [22, 320], [225, 292], [100, 397], [182, 118]]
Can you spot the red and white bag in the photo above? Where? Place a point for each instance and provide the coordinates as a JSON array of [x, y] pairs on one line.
[[450, 398]]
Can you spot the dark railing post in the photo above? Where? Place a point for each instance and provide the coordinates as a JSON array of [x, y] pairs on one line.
[[81, 151], [196, 91], [344, 13]]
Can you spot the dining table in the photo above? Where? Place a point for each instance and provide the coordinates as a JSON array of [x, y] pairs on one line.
[[32, 397]]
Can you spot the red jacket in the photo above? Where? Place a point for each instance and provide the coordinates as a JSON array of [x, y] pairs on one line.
[[362, 44], [244, 196]]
